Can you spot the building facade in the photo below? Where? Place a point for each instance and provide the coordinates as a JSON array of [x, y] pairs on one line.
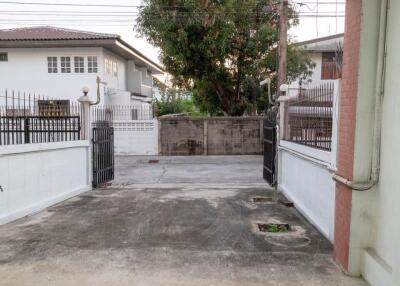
[[326, 54], [57, 63]]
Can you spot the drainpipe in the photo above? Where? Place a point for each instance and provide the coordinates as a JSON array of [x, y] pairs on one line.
[[268, 83], [98, 81], [380, 85]]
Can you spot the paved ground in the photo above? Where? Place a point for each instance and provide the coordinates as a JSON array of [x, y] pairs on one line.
[[189, 171], [190, 221]]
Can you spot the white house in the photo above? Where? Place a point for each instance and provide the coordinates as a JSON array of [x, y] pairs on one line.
[[58, 62], [323, 52]]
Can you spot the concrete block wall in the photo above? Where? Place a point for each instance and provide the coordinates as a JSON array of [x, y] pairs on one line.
[[210, 136]]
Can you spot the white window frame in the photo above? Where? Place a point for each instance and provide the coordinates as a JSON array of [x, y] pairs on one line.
[[65, 62], [93, 65], [52, 64], [79, 64]]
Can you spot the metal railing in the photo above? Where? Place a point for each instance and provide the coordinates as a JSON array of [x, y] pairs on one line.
[[123, 112], [29, 118], [309, 117]]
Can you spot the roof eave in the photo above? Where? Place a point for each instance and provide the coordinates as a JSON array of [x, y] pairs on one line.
[[135, 54], [114, 44], [317, 40], [54, 43]]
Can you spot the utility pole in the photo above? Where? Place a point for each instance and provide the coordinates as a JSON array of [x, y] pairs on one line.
[[283, 27], [282, 71]]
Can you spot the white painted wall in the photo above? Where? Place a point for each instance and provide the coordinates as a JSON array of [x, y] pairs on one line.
[[120, 80], [375, 228], [317, 59], [26, 71], [35, 176], [136, 137], [305, 176], [117, 97], [315, 78]]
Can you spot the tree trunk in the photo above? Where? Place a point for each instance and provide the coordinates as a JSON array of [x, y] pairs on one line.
[[230, 104]]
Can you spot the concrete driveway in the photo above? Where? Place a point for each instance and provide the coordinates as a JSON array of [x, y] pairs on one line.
[[181, 221]]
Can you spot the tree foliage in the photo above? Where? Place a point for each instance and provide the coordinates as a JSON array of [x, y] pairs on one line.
[[174, 101], [220, 48]]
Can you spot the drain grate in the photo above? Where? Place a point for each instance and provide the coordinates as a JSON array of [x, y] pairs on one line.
[[262, 199], [274, 227], [154, 161]]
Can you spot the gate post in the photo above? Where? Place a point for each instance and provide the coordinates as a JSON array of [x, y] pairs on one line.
[[86, 133], [85, 117]]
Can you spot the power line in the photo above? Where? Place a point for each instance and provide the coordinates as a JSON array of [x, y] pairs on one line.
[[138, 6], [107, 22], [71, 4], [102, 14]]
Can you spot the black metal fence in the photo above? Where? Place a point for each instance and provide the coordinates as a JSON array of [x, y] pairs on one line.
[[29, 118], [103, 154], [269, 144], [309, 117], [103, 145]]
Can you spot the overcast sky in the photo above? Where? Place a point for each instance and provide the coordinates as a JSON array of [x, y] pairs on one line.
[[120, 19]]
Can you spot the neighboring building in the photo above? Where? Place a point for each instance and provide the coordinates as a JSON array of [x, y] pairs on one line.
[[325, 53], [57, 63]]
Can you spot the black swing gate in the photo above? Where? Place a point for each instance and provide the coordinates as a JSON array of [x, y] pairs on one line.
[[269, 168], [103, 146]]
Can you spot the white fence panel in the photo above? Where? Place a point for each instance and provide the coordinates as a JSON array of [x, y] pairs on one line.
[[136, 137], [305, 178], [305, 175], [36, 176]]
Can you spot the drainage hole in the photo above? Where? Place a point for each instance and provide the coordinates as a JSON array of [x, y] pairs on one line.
[[274, 227]]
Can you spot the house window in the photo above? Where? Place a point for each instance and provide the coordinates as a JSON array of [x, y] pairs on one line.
[[111, 67], [3, 57], [54, 107], [92, 64], [65, 64], [115, 69], [329, 69], [79, 64], [107, 66], [52, 64]]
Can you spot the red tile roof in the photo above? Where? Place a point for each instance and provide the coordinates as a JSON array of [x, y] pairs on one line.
[[51, 33]]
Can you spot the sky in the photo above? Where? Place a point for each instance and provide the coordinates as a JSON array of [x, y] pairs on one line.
[[315, 18]]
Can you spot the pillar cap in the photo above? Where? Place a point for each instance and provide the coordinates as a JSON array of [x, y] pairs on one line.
[[84, 98]]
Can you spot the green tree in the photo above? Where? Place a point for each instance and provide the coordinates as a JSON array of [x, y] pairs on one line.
[[174, 101], [220, 48]]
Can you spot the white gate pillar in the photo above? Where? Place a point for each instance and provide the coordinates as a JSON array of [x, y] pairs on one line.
[[85, 117], [86, 132]]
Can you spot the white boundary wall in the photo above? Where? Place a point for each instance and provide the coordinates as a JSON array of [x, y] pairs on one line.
[[305, 177], [36, 176], [136, 137]]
